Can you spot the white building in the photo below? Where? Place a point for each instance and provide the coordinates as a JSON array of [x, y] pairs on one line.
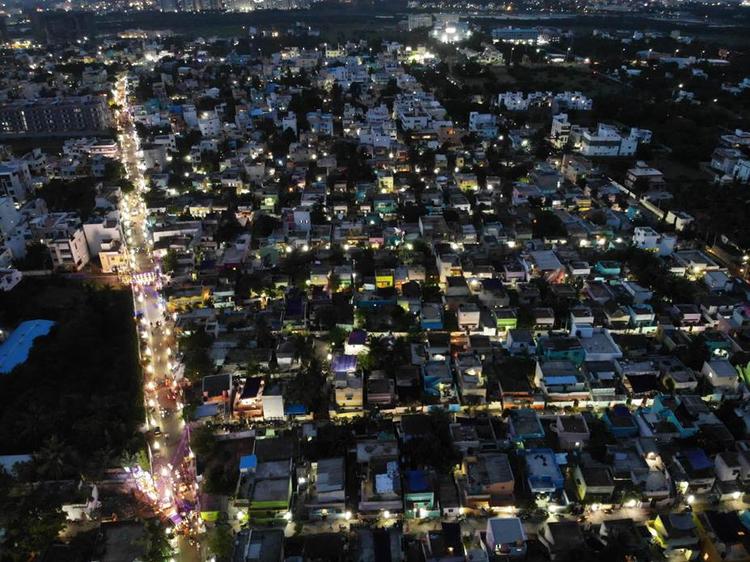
[[63, 235], [9, 278], [10, 218], [483, 124], [606, 141], [100, 231], [418, 21], [560, 131], [646, 238], [209, 124], [15, 180]]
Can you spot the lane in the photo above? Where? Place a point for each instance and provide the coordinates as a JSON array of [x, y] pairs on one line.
[[172, 476]]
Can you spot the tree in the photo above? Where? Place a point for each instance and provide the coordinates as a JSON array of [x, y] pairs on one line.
[[37, 257], [220, 541], [114, 170], [32, 523], [334, 282], [155, 542], [77, 195], [203, 441], [229, 227], [76, 397], [548, 225], [195, 356], [169, 262], [308, 388]]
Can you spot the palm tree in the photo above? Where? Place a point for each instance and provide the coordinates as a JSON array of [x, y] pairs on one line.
[[101, 460], [52, 460], [129, 460]]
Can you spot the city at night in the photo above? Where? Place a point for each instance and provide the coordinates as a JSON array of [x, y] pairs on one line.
[[375, 281]]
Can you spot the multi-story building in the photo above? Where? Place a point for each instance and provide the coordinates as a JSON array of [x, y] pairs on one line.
[[63, 235], [15, 180], [82, 114]]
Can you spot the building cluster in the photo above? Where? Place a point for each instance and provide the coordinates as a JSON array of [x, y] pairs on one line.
[[730, 161], [392, 326]]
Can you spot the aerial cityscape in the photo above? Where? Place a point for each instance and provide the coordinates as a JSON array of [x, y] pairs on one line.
[[374, 281]]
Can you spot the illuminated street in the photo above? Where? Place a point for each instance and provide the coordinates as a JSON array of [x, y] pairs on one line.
[[173, 469]]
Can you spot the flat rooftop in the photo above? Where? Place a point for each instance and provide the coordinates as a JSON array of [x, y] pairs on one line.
[[274, 490], [600, 342]]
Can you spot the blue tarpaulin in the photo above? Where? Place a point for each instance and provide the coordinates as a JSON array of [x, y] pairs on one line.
[[16, 348]]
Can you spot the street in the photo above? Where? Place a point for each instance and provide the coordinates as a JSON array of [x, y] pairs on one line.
[[172, 462]]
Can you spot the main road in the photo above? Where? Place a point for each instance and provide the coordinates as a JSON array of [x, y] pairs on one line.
[[171, 483]]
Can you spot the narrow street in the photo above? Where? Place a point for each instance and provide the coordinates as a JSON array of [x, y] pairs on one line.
[[172, 462]]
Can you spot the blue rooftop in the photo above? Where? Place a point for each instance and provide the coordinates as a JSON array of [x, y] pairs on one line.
[[344, 364], [417, 481], [248, 462], [295, 409], [698, 459], [16, 348]]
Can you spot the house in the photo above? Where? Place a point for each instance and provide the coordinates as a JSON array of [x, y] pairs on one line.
[[450, 504], [506, 537], [327, 488], [594, 483], [723, 537], [620, 421], [720, 374], [468, 316], [693, 471], [438, 381], [9, 278], [560, 538], [266, 491], [646, 238], [356, 343], [249, 401], [444, 545], [471, 380], [380, 488], [419, 493], [598, 345], [628, 536], [543, 474], [487, 481], [561, 380], [572, 431], [603, 380], [259, 545], [520, 342], [347, 382], [473, 435], [717, 281], [215, 389], [431, 316], [639, 294], [561, 348], [676, 533], [524, 425], [377, 545]]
